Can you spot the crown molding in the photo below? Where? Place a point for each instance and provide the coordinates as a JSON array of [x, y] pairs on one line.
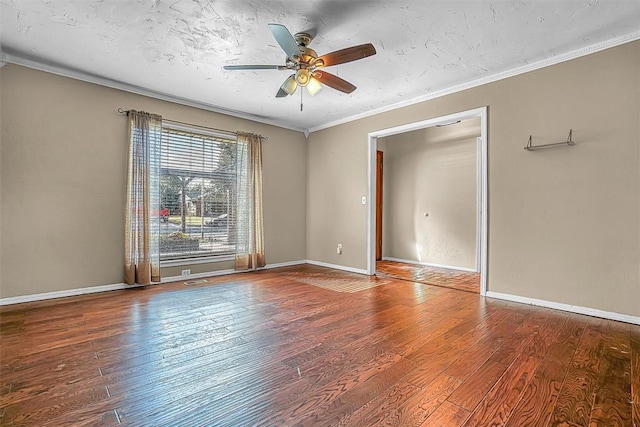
[[557, 59], [138, 90]]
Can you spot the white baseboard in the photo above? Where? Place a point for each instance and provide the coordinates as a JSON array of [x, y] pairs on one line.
[[428, 264], [63, 294], [119, 286], [567, 307], [284, 264], [337, 267]]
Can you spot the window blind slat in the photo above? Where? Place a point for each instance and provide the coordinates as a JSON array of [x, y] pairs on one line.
[[198, 181]]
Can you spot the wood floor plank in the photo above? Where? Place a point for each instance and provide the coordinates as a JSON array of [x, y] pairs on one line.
[[402, 408], [59, 360], [448, 415], [220, 395], [49, 406], [202, 409], [311, 408], [575, 400], [269, 348], [481, 346], [496, 407], [612, 401], [358, 396], [636, 415], [540, 396], [475, 388], [461, 280], [383, 410], [201, 372], [635, 367]]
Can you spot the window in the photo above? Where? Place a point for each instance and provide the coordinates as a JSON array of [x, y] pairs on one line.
[[197, 193]]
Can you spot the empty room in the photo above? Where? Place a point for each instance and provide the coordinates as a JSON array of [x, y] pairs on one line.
[[320, 212]]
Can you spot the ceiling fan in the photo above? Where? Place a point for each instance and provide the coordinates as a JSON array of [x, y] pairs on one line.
[[306, 63]]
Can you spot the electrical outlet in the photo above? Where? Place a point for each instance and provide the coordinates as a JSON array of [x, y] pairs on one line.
[[339, 249], [186, 272]]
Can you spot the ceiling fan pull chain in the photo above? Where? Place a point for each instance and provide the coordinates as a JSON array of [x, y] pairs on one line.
[[301, 98]]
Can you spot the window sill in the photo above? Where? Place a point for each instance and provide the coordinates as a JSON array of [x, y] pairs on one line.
[[199, 260]]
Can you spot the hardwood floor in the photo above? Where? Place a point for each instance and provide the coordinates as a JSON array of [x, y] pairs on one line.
[[264, 349], [454, 279]]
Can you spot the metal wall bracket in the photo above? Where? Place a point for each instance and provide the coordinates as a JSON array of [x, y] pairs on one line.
[[568, 142]]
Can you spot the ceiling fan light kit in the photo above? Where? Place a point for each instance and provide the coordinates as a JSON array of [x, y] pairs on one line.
[[314, 87], [305, 63], [302, 77], [289, 86]]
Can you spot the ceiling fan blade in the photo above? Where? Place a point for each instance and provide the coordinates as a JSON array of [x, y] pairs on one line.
[[346, 55], [288, 87], [254, 67], [333, 81], [285, 40]]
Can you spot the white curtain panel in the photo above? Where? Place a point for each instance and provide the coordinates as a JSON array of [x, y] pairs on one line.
[[249, 218], [142, 221]]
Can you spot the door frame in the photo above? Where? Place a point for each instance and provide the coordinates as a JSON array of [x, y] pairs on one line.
[[379, 201], [481, 198]]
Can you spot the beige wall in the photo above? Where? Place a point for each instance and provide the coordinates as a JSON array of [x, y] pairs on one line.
[[63, 162], [432, 171], [564, 224]]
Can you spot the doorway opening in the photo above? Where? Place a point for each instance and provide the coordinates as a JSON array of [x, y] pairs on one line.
[[422, 249]]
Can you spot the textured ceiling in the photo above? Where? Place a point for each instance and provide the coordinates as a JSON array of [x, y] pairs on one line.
[[178, 47]]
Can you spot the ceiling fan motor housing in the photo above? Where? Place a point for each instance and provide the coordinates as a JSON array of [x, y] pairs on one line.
[[303, 39], [307, 57], [305, 63]]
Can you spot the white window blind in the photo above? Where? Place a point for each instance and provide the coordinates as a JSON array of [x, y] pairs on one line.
[[197, 193]]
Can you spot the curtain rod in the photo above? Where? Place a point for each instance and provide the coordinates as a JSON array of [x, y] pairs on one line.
[[123, 111]]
